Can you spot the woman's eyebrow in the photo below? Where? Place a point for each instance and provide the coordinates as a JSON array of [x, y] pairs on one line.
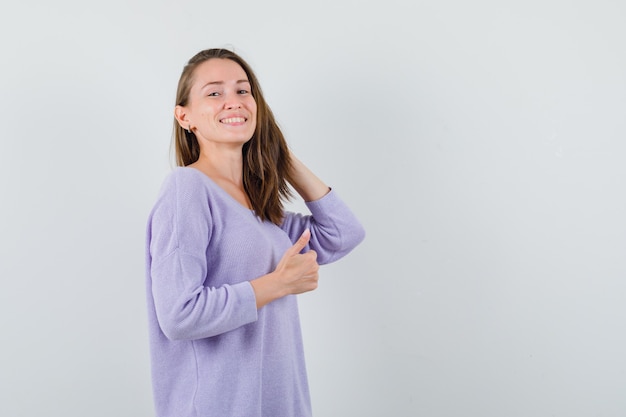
[[222, 82]]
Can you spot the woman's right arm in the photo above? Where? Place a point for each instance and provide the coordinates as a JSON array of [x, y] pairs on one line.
[[179, 232], [296, 273]]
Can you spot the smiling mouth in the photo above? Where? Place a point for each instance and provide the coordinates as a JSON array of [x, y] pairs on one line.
[[232, 120]]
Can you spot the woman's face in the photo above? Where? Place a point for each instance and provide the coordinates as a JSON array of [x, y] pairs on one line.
[[220, 109]]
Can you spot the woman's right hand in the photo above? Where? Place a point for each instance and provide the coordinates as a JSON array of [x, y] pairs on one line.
[[296, 273]]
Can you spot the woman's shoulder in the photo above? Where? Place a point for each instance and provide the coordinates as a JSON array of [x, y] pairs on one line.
[[185, 184], [181, 178], [184, 174], [184, 187]]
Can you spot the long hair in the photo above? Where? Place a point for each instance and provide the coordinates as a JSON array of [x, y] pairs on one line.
[[266, 161]]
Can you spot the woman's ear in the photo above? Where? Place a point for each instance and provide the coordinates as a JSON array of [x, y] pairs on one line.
[[180, 113]]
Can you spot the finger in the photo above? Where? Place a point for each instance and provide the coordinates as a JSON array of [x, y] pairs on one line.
[[301, 243], [311, 267]]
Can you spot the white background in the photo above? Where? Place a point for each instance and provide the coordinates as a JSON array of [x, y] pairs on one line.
[[481, 144]]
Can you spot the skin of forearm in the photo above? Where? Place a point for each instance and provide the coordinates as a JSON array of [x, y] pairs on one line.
[[305, 182], [267, 289]]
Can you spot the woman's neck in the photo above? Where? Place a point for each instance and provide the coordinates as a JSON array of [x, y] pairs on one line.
[[222, 164]]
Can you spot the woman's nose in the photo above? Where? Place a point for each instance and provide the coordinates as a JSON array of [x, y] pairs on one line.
[[232, 102]]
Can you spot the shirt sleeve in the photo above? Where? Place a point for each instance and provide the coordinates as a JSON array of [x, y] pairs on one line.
[[180, 228], [335, 230]]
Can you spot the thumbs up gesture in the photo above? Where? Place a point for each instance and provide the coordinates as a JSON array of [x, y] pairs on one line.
[[296, 273]]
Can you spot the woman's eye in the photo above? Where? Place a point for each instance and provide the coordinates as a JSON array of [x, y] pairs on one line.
[[213, 94], [243, 91]]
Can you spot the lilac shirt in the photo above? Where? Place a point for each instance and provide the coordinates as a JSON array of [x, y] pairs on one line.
[[213, 353]]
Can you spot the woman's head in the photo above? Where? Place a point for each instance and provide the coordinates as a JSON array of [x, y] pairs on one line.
[[186, 143], [220, 109], [266, 162]]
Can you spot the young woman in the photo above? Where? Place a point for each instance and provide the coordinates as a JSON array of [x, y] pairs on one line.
[[225, 261]]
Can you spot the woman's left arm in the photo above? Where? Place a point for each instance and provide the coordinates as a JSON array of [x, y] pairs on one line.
[[335, 230], [305, 182]]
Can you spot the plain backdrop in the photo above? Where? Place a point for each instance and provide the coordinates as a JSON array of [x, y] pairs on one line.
[[481, 143]]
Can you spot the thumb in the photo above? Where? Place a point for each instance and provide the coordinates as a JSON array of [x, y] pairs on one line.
[[300, 244]]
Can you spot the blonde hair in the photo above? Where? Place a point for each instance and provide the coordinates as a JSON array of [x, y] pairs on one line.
[[266, 161]]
